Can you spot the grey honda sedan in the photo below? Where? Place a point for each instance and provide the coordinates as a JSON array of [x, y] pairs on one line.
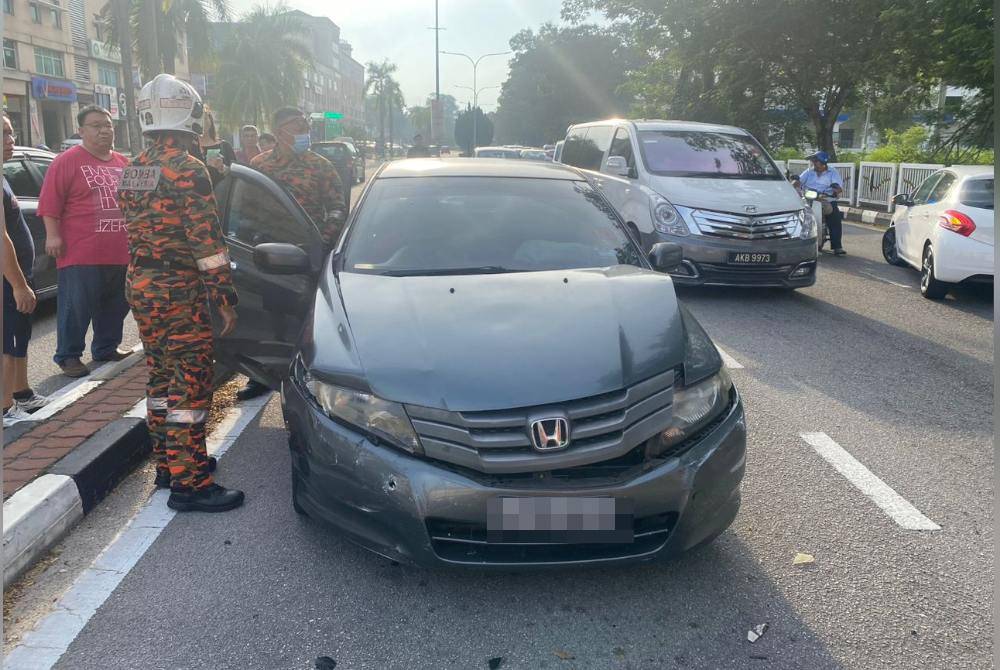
[[487, 371]]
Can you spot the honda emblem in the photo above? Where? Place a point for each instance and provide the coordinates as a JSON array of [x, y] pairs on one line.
[[750, 209], [550, 434]]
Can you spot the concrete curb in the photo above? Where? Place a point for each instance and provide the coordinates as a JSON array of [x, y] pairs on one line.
[[869, 216], [38, 515]]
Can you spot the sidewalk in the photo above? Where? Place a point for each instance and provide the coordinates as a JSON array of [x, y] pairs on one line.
[[72, 453], [870, 216]]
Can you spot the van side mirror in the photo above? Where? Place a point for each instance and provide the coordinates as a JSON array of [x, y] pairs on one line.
[[616, 165], [665, 256], [902, 199], [279, 258]]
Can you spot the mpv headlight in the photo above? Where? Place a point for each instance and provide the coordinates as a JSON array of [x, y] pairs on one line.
[[807, 224], [666, 219], [695, 407], [367, 412]]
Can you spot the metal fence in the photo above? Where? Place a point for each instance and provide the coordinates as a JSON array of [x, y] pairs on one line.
[[912, 174], [876, 184], [847, 173], [796, 166]]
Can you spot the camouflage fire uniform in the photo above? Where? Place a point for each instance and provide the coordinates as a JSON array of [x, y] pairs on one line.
[[309, 178], [179, 262]]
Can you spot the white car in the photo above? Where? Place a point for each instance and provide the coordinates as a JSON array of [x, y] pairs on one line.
[[945, 228]]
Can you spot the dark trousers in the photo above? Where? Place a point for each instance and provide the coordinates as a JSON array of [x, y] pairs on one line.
[[90, 295], [834, 221]]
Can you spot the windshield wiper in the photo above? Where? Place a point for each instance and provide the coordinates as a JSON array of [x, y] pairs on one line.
[[435, 272]]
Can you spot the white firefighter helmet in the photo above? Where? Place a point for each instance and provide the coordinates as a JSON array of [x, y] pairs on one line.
[[167, 103]]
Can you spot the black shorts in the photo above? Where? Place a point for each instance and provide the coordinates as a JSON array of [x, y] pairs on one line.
[[16, 326]]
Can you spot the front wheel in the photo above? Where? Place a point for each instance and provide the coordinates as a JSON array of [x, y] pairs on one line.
[[889, 250], [930, 287]]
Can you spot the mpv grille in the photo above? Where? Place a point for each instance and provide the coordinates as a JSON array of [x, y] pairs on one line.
[[767, 227], [602, 427]]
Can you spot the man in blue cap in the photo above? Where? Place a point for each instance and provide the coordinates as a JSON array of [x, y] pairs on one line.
[[826, 180]]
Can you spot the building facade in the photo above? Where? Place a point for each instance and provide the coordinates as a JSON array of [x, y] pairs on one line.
[[58, 58], [352, 88]]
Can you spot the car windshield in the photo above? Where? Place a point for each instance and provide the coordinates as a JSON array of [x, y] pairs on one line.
[[479, 225], [978, 193], [332, 152], [699, 153]]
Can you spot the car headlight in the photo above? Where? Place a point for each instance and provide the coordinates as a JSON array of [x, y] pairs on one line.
[[694, 407], [807, 224], [366, 412], [666, 219]]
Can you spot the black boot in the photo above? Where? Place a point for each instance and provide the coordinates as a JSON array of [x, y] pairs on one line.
[[251, 390], [163, 475], [213, 498]]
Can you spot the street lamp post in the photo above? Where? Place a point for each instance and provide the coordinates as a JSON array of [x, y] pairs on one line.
[[475, 106], [475, 66]]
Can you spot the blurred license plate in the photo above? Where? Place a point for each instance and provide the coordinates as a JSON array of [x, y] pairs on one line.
[[750, 258], [562, 520]]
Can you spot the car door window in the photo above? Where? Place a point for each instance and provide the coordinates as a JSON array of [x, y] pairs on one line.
[[21, 181], [41, 164], [920, 197], [257, 216], [621, 145], [941, 188], [600, 137], [574, 150]]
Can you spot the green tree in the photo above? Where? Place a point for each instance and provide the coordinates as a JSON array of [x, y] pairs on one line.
[[165, 24], [254, 82], [379, 84], [734, 61], [560, 76], [464, 130], [420, 120]]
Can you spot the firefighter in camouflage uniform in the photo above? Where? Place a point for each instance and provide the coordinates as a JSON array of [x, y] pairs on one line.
[[179, 266], [309, 178]]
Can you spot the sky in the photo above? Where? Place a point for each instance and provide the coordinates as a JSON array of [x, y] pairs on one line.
[[398, 30]]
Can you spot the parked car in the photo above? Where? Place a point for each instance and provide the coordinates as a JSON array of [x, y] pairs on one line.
[[711, 189], [428, 411], [70, 142], [945, 229], [24, 172], [557, 151], [348, 160], [534, 155], [497, 152]]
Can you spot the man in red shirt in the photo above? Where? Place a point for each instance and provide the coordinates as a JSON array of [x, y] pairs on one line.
[[85, 232]]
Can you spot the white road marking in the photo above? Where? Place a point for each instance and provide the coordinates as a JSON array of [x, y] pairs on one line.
[[887, 281], [728, 360], [44, 646], [893, 504]]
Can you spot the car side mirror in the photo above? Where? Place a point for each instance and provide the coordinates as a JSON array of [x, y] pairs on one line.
[[279, 258], [616, 165], [902, 199], [665, 256]]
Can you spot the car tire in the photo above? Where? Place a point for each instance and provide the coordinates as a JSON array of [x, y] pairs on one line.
[[930, 286], [889, 250]]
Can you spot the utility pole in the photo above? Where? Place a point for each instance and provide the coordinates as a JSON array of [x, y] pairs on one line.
[[125, 46], [436, 119], [151, 44]]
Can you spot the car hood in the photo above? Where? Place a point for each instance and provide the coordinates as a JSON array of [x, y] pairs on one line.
[[728, 195], [466, 343]]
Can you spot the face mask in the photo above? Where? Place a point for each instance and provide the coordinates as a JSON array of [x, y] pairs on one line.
[[301, 143]]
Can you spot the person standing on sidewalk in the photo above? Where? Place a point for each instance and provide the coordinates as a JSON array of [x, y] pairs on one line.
[[179, 266], [85, 232], [18, 301], [309, 178]]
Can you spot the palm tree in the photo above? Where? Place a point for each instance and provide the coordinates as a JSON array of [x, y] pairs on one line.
[[379, 82], [394, 104], [261, 65], [165, 26]]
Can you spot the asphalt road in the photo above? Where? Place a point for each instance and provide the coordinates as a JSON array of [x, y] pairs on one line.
[[903, 384]]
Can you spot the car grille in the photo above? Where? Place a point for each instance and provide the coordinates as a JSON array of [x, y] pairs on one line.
[[466, 543], [602, 427], [736, 274], [768, 227]]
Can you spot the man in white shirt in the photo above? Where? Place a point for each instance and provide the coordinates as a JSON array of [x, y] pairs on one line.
[[826, 180]]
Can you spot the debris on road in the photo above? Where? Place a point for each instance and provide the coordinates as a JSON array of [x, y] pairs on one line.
[[756, 632], [495, 662], [564, 655], [325, 663], [803, 559]]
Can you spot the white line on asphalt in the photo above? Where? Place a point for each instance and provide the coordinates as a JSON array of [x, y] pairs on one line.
[[887, 281], [730, 362], [42, 647], [893, 504]]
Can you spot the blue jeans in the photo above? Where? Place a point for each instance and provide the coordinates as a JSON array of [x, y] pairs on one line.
[[90, 294]]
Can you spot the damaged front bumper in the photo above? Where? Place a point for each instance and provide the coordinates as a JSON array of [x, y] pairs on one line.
[[431, 514]]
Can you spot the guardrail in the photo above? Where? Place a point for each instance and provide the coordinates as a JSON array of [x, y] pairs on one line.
[[876, 184], [912, 174]]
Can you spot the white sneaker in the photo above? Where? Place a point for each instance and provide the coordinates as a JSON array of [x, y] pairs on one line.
[[36, 401], [13, 415]]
